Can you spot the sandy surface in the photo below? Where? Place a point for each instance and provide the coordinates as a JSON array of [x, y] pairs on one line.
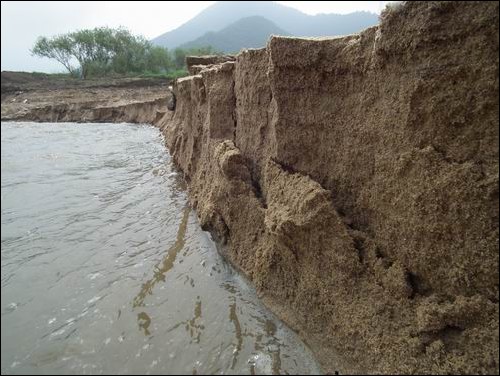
[[355, 181]]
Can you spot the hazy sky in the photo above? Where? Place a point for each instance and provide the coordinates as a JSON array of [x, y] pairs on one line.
[[24, 21]]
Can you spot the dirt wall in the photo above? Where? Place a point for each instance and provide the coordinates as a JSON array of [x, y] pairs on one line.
[[354, 180], [39, 97]]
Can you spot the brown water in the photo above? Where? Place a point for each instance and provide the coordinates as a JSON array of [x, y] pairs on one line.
[[104, 267]]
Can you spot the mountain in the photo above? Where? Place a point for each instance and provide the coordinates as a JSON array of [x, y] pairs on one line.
[[248, 32], [224, 13]]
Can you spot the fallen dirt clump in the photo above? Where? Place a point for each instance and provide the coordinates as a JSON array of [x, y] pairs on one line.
[[355, 181], [39, 97], [196, 63]]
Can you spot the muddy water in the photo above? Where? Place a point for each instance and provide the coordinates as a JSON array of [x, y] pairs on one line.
[[104, 268]]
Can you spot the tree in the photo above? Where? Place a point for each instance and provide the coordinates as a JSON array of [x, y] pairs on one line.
[[101, 50], [58, 48], [179, 58], [158, 60]]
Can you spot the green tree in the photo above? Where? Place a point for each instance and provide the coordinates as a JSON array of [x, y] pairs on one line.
[[58, 48], [158, 60], [179, 58], [103, 50], [130, 52]]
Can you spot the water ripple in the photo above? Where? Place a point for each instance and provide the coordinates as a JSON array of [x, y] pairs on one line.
[[103, 258]]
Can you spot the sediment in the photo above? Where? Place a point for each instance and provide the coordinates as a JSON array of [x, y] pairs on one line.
[[44, 98], [354, 181]]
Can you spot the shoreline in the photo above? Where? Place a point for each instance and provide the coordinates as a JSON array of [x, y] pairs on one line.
[[31, 97], [349, 181]]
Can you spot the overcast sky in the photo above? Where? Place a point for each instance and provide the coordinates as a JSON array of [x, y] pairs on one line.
[[24, 21]]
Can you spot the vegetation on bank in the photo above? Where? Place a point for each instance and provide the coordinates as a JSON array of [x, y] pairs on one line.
[[105, 51]]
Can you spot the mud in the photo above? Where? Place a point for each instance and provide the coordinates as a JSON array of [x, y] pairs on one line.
[[354, 180]]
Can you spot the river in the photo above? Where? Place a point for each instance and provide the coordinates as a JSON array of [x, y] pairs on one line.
[[104, 267]]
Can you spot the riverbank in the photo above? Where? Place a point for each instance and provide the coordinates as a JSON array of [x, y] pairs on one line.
[[354, 180], [50, 98]]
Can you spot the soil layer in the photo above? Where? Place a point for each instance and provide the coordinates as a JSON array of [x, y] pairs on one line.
[[354, 180]]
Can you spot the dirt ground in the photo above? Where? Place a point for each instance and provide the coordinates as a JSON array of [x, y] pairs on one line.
[[28, 96]]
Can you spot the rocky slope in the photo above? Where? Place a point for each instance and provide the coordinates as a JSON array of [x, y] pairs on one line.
[[355, 182]]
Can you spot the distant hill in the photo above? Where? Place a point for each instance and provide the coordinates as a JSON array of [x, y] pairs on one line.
[[248, 32], [224, 13]]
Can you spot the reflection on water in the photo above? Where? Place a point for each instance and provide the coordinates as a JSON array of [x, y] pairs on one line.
[[167, 263], [104, 268], [237, 329], [144, 322]]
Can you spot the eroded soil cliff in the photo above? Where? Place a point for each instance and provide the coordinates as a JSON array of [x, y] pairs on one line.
[[38, 97], [355, 182]]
